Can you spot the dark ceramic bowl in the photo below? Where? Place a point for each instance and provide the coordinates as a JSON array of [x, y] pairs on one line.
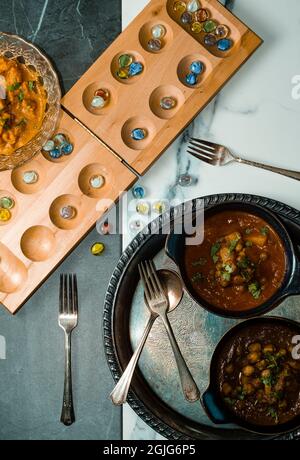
[[175, 247], [212, 400]]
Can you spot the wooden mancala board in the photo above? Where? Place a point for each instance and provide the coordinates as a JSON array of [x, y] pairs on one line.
[[36, 239], [135, 102]]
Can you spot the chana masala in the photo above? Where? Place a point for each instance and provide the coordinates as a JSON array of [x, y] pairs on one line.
[[240, 264], [259, 380], [23, 102]]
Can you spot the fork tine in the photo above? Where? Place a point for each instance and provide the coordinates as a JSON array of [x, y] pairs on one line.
[[151, 281], [209, 145], [61, 294], [71, 297], [144, 280], [75, 293], [203, 152], [155, 277], [200, 157], [65, 294]]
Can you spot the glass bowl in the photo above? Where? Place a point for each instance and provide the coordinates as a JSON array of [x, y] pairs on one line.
[[14, 47]]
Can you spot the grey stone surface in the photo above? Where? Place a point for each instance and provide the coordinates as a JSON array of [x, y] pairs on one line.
[[73, 34]]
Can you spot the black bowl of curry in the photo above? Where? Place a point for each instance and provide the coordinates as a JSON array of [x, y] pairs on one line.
[[246, 264], [255, 376]]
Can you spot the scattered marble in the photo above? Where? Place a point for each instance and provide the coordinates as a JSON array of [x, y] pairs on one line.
[[185, 180], [59, 138], [98, 102], [30, 177], [168, 103], [159, 207], [154, 44], [97, 181], [5, 215], [136, 226], [138, 192], [222, 31], [186, 18], [58, 146], [97, 249], [225, 44], [191, 79], [202, 15], [67, 148], [179, 7], [158, 31], [123, 74], [125, 60], [6, 202], [209, 26], [49, 145], [138, 134], [68, 212], [55, 154], [210, 39], [104, 93], [143, 208], [193, 6], [135, 68], [105, 228], [196, 27], [196, 67], [128, 67]]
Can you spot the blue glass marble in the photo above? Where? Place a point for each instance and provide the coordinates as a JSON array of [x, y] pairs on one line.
[[138, 134], [196, 67], [56, 153], [191, 79], [67, 148], [138, 192], [225, 44], [135, 68]]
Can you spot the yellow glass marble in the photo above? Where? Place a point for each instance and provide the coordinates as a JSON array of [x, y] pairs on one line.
[[123, 73], [196, 27], [5, 215], [97, 249], [179, 7]]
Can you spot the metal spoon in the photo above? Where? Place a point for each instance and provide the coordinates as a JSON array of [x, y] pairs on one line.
[[172, 287]]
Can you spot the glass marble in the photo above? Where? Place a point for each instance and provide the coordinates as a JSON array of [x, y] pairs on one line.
[[196, 67], [225, 44], [154, 44], [97, 249], [202, 15], [196, 27], [143, 208], [168, 103], [97, 181], [104, 93], [123, 74], [48, 146], [138, 134], [222, 31], [135, 68], [191, 79], [185, 180], [158, 31], [6, 202], [67, 148], [106, 228], [5, 215], [98, 102], [193, 6], [56, 154], [68, 212], [210, 40], [209, 26], [125, 60], [186, 18], [159, 207], [138, 192], [179, 7], [59, 138], [136, 225], [30, 177]]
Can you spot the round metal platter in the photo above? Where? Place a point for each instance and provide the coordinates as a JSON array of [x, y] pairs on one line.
[[156, 394]]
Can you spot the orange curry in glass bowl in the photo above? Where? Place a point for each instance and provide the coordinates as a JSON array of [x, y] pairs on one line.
[[23, 101], [240, 264]]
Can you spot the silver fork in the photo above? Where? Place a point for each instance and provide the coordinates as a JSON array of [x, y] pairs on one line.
[[219, 155], [67, 320], [159, 304]]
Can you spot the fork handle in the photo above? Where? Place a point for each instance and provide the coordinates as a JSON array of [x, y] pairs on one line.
[[283, 172], [67, 413], [120, 392], [189, 387]]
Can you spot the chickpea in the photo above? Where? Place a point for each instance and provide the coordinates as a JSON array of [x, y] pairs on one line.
[[238, 280], [256, 383], [268, 348], [226, 389], [229, 369], [248, 388], [253, 357], [263, 256], [266, 373], [261, 364], [241, 288], [254, 347], [248, 370]]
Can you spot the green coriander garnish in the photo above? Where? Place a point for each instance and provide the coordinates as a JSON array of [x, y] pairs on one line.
[[31, 85], [21, 96], [248, 231], [197, 277], [255, 290], [264, 231], [202, 261], [14, 87], [214, 250], [233, 244]]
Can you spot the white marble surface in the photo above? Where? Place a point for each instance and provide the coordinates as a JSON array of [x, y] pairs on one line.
[[257, 115]]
